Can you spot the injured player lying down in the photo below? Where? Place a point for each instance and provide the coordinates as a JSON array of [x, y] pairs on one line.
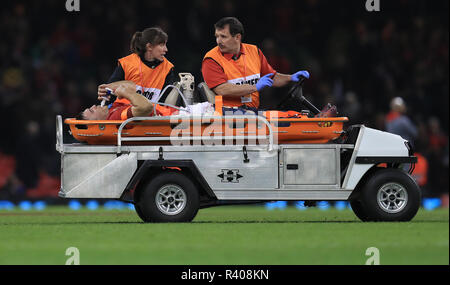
[[138, 106]]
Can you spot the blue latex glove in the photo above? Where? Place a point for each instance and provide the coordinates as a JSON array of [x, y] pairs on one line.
[[296, 76], [264, 82]]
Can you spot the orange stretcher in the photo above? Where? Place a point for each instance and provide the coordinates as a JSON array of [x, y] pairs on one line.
[[286, 128], [301, 129]]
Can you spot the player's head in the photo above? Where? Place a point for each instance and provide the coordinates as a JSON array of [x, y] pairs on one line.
[[229, 32], [95, 112]]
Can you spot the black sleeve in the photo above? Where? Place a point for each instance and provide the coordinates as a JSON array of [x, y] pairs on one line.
[[118, 74], [171, 78]]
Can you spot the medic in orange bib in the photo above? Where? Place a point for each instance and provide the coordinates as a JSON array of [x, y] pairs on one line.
[[239, 71], [147, 67]]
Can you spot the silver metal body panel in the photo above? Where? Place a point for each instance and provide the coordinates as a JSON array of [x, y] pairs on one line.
[[313, 166], [259, 173], [317, 168], [259, 179], [96, 175]]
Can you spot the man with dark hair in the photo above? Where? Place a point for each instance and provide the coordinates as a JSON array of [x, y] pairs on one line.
[[239, 71], [233, 23]]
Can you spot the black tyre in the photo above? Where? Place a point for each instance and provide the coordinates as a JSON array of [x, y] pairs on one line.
[[358, 210], [168, 197], [137, 207], [389, 195], [138, 210]]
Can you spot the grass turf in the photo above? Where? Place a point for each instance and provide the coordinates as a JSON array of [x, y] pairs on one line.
[[223, 235]]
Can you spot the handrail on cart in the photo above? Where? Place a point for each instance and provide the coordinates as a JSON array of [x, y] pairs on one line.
[[225, 118], [59, 134]]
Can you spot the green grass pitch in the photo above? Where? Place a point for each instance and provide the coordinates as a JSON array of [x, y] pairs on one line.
[[228, 235]]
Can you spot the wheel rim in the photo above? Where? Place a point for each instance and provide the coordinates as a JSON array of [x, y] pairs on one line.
[[392, 197], [170, 199]]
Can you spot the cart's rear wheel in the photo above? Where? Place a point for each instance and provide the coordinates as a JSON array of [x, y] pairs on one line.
[[389, 195], [168, 197]]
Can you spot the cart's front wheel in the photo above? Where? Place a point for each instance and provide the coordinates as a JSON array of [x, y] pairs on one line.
[[168, 197], [390, 195]]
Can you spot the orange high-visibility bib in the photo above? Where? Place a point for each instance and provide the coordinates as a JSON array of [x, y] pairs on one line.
[[245, 70], [149, 82]]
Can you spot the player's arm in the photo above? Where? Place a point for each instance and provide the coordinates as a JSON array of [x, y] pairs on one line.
[[140, 105], [113, 85]]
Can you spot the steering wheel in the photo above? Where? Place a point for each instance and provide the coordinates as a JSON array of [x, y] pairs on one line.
[[295, 95]]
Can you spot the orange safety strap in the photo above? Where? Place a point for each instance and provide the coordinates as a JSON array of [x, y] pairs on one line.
[[218, 102], [124, 114]]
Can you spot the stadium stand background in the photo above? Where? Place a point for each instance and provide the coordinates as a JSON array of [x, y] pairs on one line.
[[52, 62]]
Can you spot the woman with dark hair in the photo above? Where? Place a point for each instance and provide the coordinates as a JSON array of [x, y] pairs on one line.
[[147, 67]]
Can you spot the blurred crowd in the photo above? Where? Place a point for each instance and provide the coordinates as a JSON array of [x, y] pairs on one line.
[[53, 60]]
